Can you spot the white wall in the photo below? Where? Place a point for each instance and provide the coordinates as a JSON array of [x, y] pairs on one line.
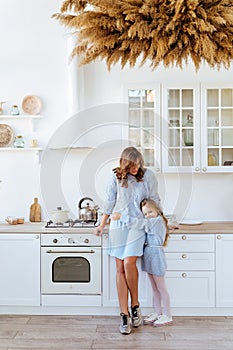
[[34, 60]]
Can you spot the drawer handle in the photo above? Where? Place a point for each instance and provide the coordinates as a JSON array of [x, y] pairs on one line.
[[184, 256], [184, 275], [219, 237], [184, 237]]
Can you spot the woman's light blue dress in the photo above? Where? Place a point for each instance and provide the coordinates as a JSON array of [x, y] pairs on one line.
[[125, 241]]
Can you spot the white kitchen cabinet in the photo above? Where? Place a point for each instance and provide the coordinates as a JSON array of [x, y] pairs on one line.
[[143, 127], [110, 297], [20, 269], [224, 263], [180, 125], [197, 128], [190, 273], [217, 128]]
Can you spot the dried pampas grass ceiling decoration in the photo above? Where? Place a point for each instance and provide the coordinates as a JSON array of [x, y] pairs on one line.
[[167, 31]]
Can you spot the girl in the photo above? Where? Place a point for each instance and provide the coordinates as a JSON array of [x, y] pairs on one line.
[[154, 262]]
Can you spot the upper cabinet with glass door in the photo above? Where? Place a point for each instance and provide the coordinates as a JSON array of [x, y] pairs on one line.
[[144, 123], [217, 131], [180, 122]]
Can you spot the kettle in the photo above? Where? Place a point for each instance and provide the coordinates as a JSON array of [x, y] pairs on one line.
[[87, 212]]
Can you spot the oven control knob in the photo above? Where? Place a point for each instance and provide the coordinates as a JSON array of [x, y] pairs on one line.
[[86, 240], [54, 240]]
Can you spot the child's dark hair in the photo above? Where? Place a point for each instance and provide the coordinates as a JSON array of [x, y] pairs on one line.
[[152, 204]]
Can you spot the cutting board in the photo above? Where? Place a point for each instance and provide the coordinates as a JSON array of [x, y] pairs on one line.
[[35, 211]]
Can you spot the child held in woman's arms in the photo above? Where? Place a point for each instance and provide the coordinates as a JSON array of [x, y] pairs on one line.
[[153, 260]]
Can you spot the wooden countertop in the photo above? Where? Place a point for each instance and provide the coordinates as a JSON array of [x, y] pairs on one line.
[[206, 227]]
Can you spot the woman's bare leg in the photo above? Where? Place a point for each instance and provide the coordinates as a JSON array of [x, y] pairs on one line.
[[122, 287], [131, 275]]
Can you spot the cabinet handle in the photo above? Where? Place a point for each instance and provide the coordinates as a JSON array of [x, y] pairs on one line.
[[219, 237], [105, 236], [184, 256], [184, 275], [157, 170], [184, 237], [36, 236], [197, 168], [204, 169]]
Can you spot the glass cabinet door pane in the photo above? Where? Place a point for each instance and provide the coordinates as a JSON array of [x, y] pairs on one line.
[[148, 138], [134, 118], [227, 97], [213, 137], [173, 98], [227, 117], [227, 137], [212, 97], [135, 137], [149, 157], [134, 98], [148, 98], [212, 117], [227, 157], [187, 157], [148, 118], [174, 137], [187, 98], [174, 157]]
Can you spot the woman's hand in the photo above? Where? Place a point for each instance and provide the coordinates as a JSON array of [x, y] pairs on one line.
[[98, 231], [115, 216]]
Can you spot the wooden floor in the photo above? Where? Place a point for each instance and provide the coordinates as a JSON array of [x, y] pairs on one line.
[[98, 332]]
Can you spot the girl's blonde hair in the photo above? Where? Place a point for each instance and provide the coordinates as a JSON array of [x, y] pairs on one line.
[[129, 157], [152, 204]]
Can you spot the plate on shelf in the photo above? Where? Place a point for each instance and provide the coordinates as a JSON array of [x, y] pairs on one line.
[[31, 104], [191, 222], [6, 135]]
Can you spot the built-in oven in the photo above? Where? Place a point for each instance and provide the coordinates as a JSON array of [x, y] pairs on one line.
[[70, 263]]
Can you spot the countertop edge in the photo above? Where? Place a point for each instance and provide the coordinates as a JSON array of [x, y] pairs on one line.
[[217, 227]]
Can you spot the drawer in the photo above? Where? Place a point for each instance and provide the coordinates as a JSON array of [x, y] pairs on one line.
[[191, 289], [190, 243], [190, 261]]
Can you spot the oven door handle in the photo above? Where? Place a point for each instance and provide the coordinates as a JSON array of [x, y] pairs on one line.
[[70, 252]]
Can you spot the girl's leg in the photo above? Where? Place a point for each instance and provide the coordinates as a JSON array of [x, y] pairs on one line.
[[122, 287], [164, 295], [156, 295]]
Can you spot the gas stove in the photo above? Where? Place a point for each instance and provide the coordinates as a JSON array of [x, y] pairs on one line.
[[72, 224]]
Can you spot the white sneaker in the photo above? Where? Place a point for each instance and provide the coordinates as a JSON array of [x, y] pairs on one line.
[[136, 316], [162, 321], [125, 327], [149, 319]]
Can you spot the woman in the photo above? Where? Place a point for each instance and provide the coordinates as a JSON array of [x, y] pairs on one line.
[[130, 183]]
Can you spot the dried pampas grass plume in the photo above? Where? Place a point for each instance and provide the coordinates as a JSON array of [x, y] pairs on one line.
[[167, 31]]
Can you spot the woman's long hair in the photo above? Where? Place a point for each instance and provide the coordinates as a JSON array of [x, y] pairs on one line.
[[152, 204], [129, 157]]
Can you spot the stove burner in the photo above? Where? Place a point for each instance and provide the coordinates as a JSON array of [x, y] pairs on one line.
[[71, 224]]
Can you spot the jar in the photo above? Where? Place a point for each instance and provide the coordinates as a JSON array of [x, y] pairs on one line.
[[188, 132], [19, 142], [14, 110], [212, 160]]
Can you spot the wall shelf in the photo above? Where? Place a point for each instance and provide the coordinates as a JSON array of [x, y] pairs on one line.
[[31, 117], [20, 116], [37, 151]]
